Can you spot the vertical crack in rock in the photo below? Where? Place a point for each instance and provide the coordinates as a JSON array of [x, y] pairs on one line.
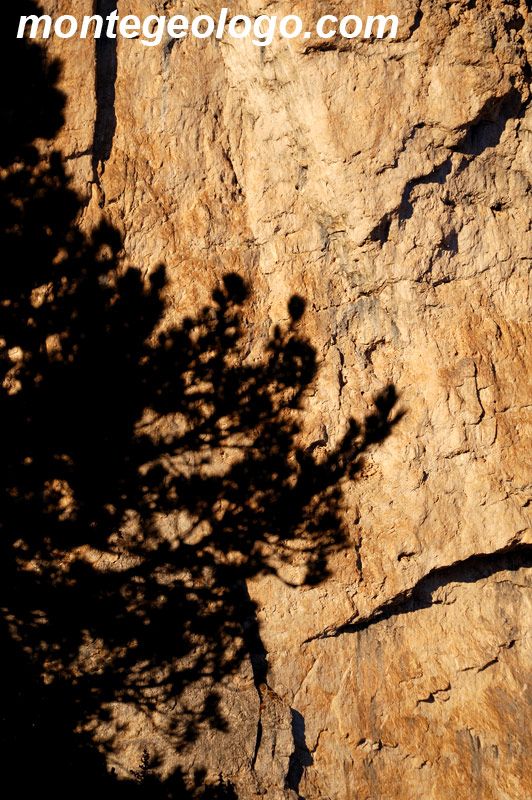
[[417, 19], [301, 757], [280, 753], [106, 64], [259, 664]]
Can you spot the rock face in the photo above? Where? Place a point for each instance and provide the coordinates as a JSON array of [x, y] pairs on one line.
[[388, 182]]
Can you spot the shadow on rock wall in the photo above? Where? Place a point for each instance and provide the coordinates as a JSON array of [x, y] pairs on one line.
[[146, 473]]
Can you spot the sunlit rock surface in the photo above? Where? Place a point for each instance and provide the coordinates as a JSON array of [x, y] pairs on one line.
[[388, 182]]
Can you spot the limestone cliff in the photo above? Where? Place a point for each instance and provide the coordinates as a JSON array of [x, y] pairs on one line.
[[388, 182]]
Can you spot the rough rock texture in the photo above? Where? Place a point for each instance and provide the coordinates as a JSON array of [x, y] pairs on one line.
[[389, 183]]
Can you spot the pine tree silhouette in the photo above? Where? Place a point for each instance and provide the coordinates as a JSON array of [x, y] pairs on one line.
[[145, 475]]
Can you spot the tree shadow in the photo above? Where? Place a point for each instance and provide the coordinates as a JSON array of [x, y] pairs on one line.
[[147, 472]]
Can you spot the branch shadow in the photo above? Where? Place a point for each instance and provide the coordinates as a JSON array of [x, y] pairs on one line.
[[147, 472]]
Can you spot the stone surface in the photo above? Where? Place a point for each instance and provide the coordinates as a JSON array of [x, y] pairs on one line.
[[389, 183]]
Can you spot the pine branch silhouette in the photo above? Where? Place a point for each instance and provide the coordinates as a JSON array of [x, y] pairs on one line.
[[145, 475]]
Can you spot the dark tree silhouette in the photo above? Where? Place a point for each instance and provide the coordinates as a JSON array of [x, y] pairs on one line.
[[145, 475]]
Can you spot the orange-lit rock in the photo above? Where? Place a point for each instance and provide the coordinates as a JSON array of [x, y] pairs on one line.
[[388, 182]]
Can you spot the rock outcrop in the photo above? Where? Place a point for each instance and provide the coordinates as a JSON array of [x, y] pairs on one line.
[[388, 182]]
